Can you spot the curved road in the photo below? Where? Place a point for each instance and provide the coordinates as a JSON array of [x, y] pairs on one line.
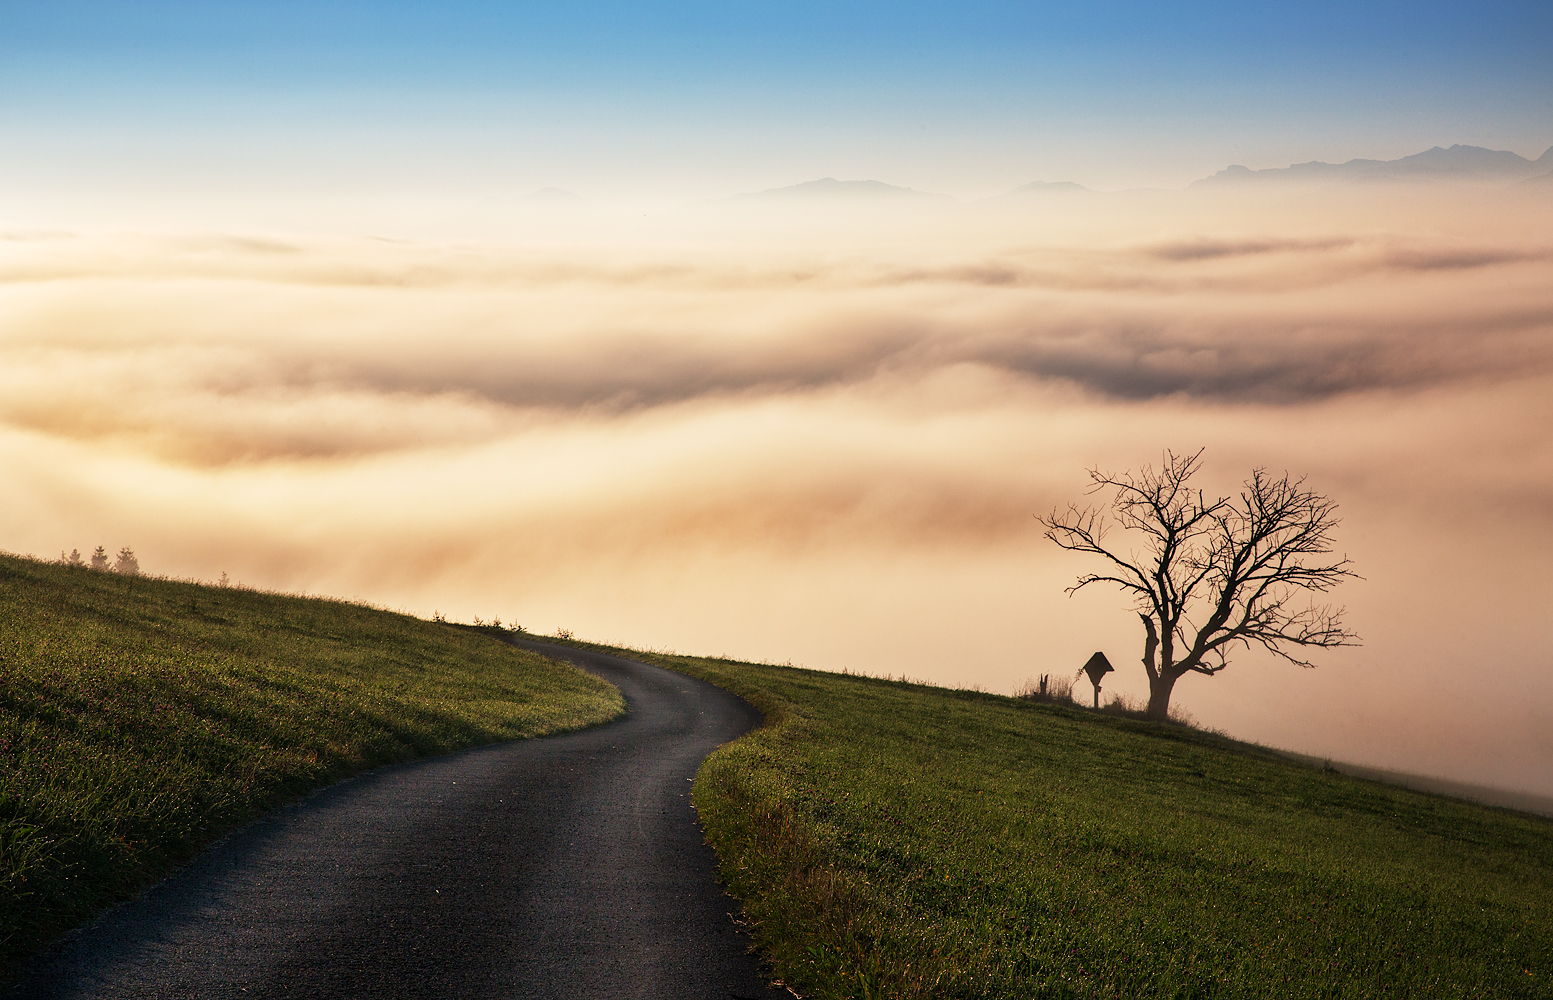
[[562, 867]]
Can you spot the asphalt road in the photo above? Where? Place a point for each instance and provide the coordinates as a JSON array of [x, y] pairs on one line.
[[565, 867]]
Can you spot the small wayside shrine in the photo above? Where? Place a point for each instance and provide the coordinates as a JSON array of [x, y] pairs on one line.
[[1097, 667]]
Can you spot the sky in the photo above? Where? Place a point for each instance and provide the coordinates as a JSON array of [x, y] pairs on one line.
[[426, 106], [274, 302]]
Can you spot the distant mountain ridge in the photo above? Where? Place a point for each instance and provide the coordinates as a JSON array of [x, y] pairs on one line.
[[1456, 163], [1048, 187], [830, 189]]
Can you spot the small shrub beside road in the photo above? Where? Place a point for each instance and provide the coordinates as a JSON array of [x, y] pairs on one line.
[[141, 719]]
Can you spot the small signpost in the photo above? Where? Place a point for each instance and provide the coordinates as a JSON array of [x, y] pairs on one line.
[[1097, 667]]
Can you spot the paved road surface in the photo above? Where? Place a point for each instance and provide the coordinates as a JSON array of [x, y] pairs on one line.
[[564, 867]]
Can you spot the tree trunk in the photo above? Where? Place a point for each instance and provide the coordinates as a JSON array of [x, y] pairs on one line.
[[1159, 696]]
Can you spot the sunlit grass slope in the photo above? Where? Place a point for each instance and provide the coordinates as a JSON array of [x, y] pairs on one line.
[[141, 719], [896, 840]]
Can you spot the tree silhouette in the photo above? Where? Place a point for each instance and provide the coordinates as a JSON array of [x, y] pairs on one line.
[[1211, 575], [100, 558], [126, 563]]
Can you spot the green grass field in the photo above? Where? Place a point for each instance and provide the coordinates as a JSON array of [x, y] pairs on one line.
[[897, 840], [141, 719], [887, 839]]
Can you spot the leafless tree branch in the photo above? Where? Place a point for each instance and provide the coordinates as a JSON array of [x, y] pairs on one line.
[[1236, 564]]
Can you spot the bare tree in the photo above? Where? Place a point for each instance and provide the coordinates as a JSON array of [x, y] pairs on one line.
[[1212, 575]]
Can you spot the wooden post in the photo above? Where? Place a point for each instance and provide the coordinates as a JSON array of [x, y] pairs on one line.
[[1097, 667]]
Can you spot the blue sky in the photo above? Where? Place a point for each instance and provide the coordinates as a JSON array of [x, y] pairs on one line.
[[703, 99]]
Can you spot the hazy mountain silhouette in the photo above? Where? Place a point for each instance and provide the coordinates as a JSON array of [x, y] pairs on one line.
[[1047, 187], [1469, 163], [1545, 164], [828, 189]]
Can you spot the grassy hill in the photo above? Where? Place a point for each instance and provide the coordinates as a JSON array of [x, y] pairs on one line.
[[888, 839], [896, 840], [141, 719]]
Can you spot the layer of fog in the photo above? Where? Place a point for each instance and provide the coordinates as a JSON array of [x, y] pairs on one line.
[[821, 435]]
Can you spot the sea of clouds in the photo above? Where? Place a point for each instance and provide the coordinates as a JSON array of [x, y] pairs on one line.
[[820, 433]]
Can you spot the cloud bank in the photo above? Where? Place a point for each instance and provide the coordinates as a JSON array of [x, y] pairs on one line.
[[223, 349], [822, 436]]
